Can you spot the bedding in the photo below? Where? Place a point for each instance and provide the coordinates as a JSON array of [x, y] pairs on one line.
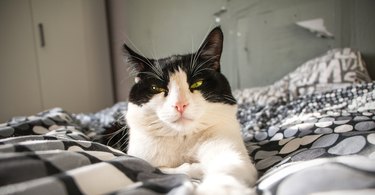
[[321, 142]]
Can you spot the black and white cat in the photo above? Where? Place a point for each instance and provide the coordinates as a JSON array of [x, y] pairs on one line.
[[182, 119]]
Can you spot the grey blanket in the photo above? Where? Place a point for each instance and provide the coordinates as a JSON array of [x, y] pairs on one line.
[[316, 143]]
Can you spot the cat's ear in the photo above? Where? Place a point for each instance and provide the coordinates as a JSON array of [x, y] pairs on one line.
[[134, 59], [212, 47]]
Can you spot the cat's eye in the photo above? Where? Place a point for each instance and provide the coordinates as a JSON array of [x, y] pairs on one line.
[[196, 84], [157, 89]]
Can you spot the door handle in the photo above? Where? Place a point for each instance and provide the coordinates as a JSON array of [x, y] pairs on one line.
[[41, 35]]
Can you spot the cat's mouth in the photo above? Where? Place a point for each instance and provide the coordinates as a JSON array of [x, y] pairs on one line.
[[182, 120]]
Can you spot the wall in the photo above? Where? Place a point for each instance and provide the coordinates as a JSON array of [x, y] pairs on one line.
[[262, 42], [362, 30], [265, 43]]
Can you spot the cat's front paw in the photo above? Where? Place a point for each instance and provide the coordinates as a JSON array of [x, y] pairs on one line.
[[193, 170], [223, 185]]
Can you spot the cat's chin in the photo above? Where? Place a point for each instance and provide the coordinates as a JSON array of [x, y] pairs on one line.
[[183, 125], [183, 121]]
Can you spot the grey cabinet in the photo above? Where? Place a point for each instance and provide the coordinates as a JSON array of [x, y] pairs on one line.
[[53, 53]]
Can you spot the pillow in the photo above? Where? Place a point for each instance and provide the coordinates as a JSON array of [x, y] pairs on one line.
[[335, 69]]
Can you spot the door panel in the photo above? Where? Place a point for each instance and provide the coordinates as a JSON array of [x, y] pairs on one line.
[[62, 61], [19, 78]]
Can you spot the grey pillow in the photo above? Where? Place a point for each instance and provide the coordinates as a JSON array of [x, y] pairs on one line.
[[337, 68]]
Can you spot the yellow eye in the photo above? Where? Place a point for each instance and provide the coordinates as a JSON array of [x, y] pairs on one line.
[[196, 84], [157, 89]]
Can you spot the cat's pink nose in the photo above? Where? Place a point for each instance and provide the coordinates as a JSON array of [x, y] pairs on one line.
[[181, 106]]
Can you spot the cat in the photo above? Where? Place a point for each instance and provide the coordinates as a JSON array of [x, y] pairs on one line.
[[182, 119]]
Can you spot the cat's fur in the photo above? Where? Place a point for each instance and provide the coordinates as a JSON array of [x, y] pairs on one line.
[[182, 128]]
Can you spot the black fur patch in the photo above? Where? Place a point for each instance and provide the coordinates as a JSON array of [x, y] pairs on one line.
[[202, 65]]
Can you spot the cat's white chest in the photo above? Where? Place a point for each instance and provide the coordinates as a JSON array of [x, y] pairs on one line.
[[163, 151], [155, 142]]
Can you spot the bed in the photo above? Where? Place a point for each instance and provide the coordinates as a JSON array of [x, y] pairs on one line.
[[312, 131]]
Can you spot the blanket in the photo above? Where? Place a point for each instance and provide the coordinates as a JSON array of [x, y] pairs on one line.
[[321, 142]]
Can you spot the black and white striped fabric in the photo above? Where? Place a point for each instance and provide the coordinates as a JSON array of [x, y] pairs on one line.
[[64, 161], [321, 142]]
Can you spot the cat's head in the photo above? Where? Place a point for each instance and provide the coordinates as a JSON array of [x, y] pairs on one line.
[[182, 93]]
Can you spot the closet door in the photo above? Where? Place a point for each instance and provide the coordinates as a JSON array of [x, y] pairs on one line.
[[20, 92], [73, 54], [60, 45]]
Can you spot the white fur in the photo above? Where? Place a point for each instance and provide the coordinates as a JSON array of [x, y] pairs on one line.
[[204, 140]]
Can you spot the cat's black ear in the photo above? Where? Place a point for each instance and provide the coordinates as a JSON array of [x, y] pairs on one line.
[[212, 47], [134, 59]]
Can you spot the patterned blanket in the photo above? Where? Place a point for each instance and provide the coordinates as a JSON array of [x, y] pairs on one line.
[[314, 143]]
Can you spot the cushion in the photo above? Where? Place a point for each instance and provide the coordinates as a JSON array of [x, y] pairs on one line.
[[337, 68]]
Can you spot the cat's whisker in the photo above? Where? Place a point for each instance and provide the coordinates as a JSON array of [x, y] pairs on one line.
[[198, 67], [153, 53], [147, 62], [132, 71], [125, 143], [230, 98], [191, 56], [121, 119], [199, 71], [156, 72], [120, 140], [139, 51], [207, 95], [113, 136], [153, 75], [152, 123], [96, 137], [159, 69], [155, 127], [156, 122], [196, 56], [156, 69], [203, 44], [219, 97], [151, 115]]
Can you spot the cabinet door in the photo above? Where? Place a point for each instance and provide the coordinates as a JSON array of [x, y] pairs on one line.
[[62, 61], [73, 54], [20, 92]]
